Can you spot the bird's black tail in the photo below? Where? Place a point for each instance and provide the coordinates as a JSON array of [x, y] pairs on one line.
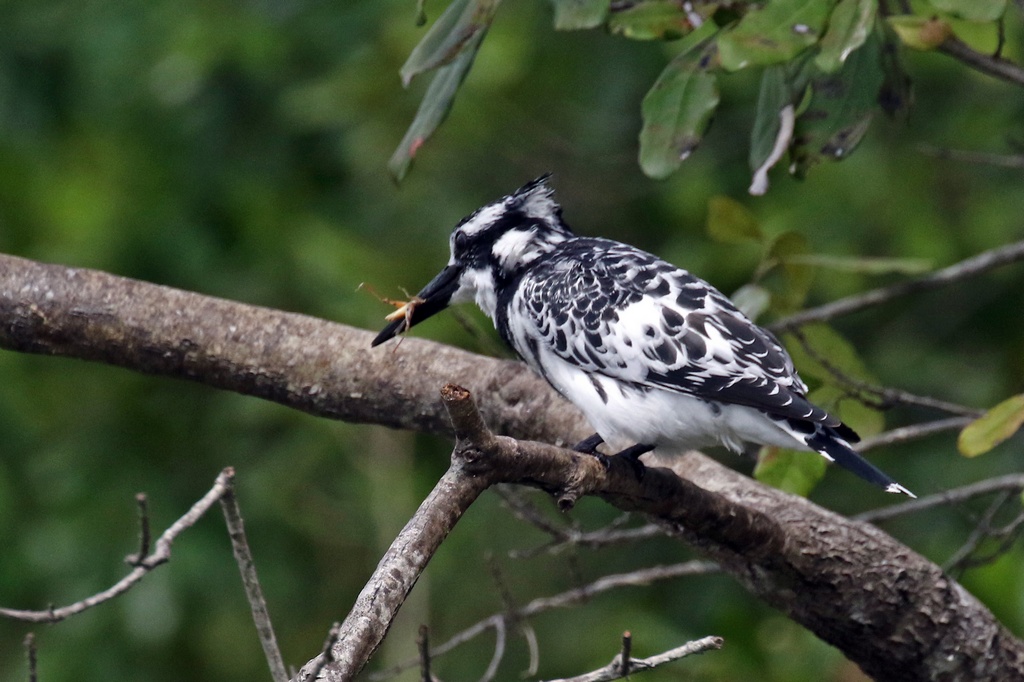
[[829, 443]]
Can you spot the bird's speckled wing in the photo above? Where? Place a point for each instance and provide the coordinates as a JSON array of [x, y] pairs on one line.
[[615, 310]]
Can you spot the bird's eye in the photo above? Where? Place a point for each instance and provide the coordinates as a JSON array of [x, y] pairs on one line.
[[460, 241]]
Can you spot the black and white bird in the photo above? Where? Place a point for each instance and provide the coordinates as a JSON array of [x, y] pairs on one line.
[[653, 356]]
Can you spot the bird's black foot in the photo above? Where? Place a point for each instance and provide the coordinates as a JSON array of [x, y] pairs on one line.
[[589, 445], [631, 456]]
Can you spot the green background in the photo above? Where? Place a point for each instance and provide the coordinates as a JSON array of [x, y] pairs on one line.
[[239, 150]]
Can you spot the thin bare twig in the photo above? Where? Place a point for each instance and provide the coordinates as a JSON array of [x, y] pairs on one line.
[[531, 643], [969, 156], [499, 650], [593, 540], [144, 531], [881, 397], [508, 605], [524, 510], [970, 267], [564, 537], [625, 656], [31, 656], [994, 66], [160, 555], [326, 652], [1011, 482], [423, 646], [905, 434], [978, 534], [578, 595], [251, 583], [968, 556], [612, 670]]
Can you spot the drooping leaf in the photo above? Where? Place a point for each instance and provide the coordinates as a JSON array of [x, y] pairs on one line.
[[848, 28], [840, 109], [651, 20], [790, 470], [866, 265], [773, 33], [973, 10], [731, 222], [992, 428], [437, 102], [678, 108], [572, 15], [450, 35], [765, 141], [921, 33]]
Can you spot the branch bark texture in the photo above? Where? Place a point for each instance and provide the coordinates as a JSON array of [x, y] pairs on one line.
[[311, 365], [888, 609]]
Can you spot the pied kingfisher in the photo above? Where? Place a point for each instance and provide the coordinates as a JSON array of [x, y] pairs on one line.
[[652, 355]]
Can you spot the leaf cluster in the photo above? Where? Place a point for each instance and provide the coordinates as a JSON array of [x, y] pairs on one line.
[[827, 68]]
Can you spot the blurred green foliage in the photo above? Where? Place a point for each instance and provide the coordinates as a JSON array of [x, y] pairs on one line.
[[240, 150]]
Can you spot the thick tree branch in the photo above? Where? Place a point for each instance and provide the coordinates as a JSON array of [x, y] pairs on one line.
[[481, 459], [891, 611], [299, 361]]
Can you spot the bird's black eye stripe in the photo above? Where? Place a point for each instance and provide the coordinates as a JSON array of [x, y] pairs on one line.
[[461, 240]]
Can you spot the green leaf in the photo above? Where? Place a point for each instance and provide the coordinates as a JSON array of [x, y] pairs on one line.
[[834, 392], [731, 222], [866, 266], [895, 96], [773, 33], [864, 419], [840, 109], [572, 15], [451, 34], [848, 28], [773, 96], [973, 10], [830, 346], [437, 102], [678, 108], [992, 428], [921, 33], [797, 277], [790, 470], [651, 20]]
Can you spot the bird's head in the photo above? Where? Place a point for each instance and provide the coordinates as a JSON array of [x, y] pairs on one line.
[[488, 248]]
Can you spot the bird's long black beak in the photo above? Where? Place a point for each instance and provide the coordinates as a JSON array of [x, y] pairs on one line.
[[434, 298]]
